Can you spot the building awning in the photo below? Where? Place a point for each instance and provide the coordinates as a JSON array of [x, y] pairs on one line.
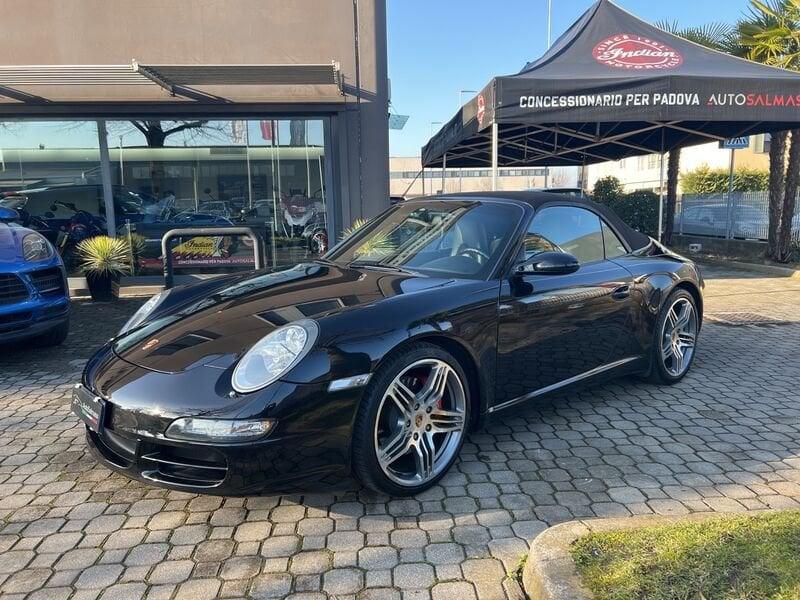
[[20, 82]]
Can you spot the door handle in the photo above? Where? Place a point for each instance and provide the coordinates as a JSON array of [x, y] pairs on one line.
[[622, 292]]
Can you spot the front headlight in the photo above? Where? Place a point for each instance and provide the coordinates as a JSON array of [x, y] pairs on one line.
[[35, 247], [194, 429], [144, 311], [274, 355]]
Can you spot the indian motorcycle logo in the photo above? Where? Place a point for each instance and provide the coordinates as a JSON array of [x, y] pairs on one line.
[[481, 114], [628, 51]]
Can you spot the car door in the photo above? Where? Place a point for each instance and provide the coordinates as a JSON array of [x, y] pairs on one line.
[[556, 329]]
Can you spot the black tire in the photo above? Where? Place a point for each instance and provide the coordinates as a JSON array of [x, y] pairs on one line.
[[365, 458], [54, 337], [658, 370]]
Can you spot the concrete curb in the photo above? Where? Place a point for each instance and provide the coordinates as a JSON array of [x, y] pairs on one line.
[[773, 270], [550, 572]]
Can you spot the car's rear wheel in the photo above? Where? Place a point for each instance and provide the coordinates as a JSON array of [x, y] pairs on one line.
[[675, 338], [412, 422]]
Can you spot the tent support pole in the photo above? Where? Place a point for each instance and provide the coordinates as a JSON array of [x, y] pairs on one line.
[[494, 156], [661, 190], [423, 180], [444, 167]]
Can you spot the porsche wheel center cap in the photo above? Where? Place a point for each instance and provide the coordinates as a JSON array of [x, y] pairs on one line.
[[418, 421]]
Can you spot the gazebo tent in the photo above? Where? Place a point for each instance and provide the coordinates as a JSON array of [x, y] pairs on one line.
[[614, 86]]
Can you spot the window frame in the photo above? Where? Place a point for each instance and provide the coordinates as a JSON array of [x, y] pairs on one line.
[[565, 203]]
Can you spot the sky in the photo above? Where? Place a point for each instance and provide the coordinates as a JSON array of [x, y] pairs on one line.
[[439, 47]]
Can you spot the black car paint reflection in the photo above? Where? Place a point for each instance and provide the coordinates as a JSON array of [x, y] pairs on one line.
[[515, 336]]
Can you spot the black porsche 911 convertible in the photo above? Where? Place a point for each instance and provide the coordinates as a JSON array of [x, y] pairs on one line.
[[377, 360]]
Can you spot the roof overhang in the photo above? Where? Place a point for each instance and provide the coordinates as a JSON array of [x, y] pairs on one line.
[[42, 84]]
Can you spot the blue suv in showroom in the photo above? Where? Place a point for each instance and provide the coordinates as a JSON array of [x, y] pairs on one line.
[[34, 295]]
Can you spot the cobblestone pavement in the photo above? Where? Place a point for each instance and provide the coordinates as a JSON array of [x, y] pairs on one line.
[[725, 439]]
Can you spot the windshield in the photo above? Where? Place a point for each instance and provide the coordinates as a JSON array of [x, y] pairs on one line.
[[462, 239]]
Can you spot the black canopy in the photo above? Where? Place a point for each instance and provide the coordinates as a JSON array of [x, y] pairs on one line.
[[611, 87]]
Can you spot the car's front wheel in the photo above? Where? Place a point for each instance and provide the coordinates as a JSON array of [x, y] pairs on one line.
[[412, 421]]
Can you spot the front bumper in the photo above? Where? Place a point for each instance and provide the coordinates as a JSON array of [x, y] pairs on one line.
[[274, 466], [308, 449], [41, 305], [32, 318]]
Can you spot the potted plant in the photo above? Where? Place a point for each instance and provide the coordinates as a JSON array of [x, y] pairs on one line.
[[103, 259]]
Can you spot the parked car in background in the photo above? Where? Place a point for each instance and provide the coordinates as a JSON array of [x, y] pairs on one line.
[[377, 359], [50, 209], [740, 220], [34, 296]]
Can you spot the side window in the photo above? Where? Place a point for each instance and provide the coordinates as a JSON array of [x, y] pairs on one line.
[[613, 245], [566, 229]]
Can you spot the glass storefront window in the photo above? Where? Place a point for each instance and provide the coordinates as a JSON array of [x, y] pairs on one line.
[[265, 174]]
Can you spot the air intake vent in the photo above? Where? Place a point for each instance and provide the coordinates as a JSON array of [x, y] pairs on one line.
[[12, 290], [48, 282]]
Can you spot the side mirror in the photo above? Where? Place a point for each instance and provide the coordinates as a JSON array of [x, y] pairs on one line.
[[548, 263], [8, 214]]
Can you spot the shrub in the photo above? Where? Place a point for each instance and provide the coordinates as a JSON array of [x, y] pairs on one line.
[[705, 180], [607, 189], [638, 209], [105, 256]]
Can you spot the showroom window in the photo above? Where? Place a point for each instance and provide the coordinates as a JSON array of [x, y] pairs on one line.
[[266, 174]]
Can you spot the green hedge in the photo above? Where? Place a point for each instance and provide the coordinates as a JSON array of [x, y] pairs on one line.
[[704, 180], [638, 209]]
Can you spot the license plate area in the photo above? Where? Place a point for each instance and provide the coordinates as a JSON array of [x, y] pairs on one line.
[[88, 408]]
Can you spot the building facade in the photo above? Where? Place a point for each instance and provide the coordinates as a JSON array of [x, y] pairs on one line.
[[163, 113], [406, 178], [644, 172]]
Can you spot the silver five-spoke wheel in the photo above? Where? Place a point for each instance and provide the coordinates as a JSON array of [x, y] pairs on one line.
[[421, 420], [678, 337]]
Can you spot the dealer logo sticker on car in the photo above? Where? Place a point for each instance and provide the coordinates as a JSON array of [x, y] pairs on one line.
[[150, 344], [629, 51]]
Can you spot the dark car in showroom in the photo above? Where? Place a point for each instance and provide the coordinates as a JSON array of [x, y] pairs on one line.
[[34, 296], [378, 359]]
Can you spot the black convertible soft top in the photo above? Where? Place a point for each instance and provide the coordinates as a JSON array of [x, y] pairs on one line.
[[635, 239]]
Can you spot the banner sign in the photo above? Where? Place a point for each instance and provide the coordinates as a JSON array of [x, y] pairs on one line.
[[738, 143]]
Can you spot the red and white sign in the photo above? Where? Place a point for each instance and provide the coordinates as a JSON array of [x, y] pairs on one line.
[[481, 110], [628, 51]]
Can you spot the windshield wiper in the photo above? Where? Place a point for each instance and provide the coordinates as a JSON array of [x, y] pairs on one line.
[[374, 264]]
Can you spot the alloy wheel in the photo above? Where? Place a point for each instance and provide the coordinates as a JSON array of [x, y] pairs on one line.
[[420, 423], [679, 337]]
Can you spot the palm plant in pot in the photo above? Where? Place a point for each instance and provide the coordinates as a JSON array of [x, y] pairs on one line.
[[103, 260]]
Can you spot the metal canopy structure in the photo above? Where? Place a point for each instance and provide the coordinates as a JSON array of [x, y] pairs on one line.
[[14, 79], [613, 86]]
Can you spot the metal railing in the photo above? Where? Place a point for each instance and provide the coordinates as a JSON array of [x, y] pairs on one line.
[[166, 251], [741, 215]]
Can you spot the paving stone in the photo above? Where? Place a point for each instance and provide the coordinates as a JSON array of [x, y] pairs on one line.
[[271, 585], [413, 575], [453, 590], [171, 571], [342, 581], [198, 589], [98, 577]]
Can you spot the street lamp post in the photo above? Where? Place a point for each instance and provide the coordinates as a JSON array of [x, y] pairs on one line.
[[121, 166], [461, 96], [549, 23]]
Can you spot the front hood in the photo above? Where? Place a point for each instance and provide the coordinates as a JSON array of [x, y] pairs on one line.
[[213, 330], [10, 238]]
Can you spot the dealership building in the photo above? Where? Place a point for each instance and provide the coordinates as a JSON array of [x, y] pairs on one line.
[[244, 112]]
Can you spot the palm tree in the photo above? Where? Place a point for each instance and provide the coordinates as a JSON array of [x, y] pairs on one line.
[[771, 35], [717, 36]]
